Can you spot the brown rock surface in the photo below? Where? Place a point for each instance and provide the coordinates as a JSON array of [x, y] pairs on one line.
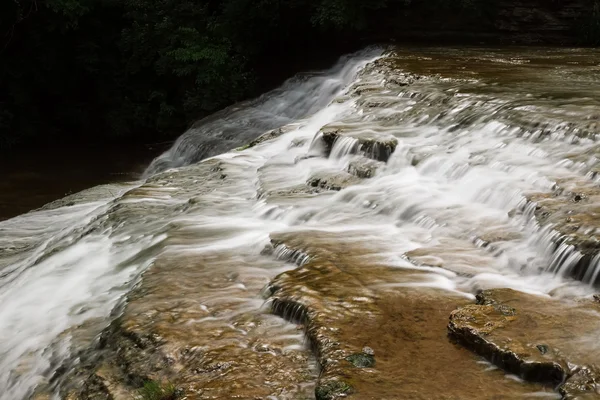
[[537, 338], [348, 299]]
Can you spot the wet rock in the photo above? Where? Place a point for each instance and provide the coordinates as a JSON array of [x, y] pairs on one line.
[[369, 351], [187, 321], [583, 384], [93, 194], [364, 167], [573, 212], [293, 191], [333, 180], [272, 134], [458, 256], [542, 348], [536, 338], [354, 307], [493, 237], [230, 354], [362, 360], [332, 390], [267, 250], [374, 145]]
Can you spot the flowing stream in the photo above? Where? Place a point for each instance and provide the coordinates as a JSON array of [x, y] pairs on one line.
[[478, 130]]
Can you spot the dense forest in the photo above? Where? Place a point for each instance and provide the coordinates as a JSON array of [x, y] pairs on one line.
[[81, 69]]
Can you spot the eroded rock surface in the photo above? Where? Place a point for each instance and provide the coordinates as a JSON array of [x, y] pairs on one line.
[[178, 327], [378, 331], [195, 320], [537, 338]]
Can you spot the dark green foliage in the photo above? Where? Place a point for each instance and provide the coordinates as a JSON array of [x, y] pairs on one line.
[[342, 14], [81, 69], [154, 390], [178, 60]]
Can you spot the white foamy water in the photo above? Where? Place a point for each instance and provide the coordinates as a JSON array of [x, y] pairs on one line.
[[472, 143]]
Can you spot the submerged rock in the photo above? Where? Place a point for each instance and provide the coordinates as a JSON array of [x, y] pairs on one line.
[[537, 338], [458, 256], [332, 390]]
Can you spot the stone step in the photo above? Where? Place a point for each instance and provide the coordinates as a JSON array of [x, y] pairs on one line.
[[537, 338]]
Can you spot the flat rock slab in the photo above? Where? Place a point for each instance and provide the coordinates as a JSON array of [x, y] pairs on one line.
[[537, 338], [270, 135], [195, 320], [378, 332]]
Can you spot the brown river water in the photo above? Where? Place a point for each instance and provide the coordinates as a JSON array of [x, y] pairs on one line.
[[413, 223], [37, 176]]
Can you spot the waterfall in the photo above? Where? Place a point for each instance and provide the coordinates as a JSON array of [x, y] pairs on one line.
[[487, 178]]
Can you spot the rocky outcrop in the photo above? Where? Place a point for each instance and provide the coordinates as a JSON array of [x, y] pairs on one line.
[[537, 338], [270, 135], [377, 328]]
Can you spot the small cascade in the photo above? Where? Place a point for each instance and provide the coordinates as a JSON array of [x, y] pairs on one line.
[[238, 125], [564, 259], [344, 146], [290, 311], [592, 271], [284, 253], [317, 147], [380, 151]]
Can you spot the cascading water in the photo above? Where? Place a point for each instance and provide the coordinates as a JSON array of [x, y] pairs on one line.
[[237, 125], [479, 137]]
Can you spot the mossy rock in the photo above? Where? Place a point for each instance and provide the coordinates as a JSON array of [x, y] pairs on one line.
[[332, 390], [362, 360]]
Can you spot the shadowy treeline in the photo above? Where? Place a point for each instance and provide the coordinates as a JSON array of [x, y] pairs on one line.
[[97, 69]]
